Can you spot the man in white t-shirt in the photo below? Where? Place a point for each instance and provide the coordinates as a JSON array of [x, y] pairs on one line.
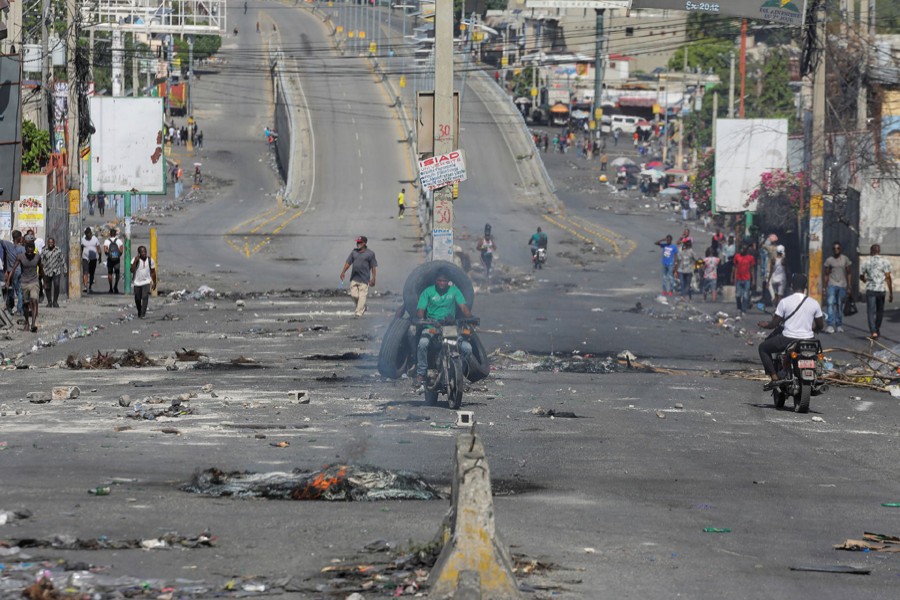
[[143, 270], [801, 317]]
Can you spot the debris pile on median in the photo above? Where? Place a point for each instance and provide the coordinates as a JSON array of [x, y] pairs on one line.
[[333, 482], [130, 358]]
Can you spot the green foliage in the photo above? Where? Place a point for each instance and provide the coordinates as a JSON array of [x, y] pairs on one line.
[[770, 96], [708, 54], [701, 185], [204, 47], [35, 147], [700, 25], [522, 83], [888, 17]]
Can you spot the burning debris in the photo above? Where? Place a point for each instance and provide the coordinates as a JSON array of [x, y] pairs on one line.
[[131, 358], [335, 482]]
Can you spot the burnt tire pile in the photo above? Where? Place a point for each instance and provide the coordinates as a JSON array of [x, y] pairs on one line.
[[398, 346]]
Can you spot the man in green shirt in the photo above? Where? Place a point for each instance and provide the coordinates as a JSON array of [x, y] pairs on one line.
[[438, 302]]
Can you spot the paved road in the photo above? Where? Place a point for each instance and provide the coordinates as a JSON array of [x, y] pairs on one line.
[[616, 499]]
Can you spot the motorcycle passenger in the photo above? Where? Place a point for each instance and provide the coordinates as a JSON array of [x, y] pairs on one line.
[[537, 240], [800, 317], [438, 302]]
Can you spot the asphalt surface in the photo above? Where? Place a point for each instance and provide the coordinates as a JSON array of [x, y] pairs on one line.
[[614, 502]]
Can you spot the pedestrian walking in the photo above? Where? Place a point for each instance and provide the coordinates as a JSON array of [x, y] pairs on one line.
[[14, 275], [143, 275], [777, 280], [684, 269], [486, 246], [876, 274], [101, 203], [91, 252], [200, 139], [401, 203], [669, 253], [363, 266], [29, 264], [53, 265], [837, 284], [8, 255], [742, 276], [604, 159], [114, 250], [616, 135], [710, 274]]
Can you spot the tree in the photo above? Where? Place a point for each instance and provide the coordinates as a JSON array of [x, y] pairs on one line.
[[35, 147], [708, 54], [770, 94], [700, 25]]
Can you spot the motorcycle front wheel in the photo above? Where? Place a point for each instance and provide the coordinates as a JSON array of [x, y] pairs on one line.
[[455, 384], [778, 397]]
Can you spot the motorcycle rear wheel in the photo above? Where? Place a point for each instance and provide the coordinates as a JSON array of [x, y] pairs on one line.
[[455, 383], [801, 401]]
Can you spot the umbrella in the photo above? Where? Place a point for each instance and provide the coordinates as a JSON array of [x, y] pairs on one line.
[[655, 164], [677, 172], [643, 123], [580, 114], [670, 192], [559, 108], [621, 161], [654, 173], [523, 100], [681, 186], [630, 168]]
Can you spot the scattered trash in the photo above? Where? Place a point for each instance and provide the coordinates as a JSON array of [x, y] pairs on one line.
[[343, 356], [590, 550], [38, 397], [817, 420], [872, 542], [66, 542], [299, 396], [660, 414], [561, 414], [206, 389], [680, 406], [716, 530], [335, 482], [891, 504], [65, 392], [100, 491], [125, 400], [281, 444], [188, 355], [8, 516], [833, 569], [131, 358]]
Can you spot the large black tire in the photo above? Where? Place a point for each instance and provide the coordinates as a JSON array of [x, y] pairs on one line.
[[456, 383], [396, 354], [801, 403], [478, 365], [423, 276]]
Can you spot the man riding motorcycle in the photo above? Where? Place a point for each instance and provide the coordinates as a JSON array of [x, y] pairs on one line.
[[800, 316], [438, 302], [537, 240]]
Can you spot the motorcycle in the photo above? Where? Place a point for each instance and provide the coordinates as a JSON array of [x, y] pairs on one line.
[[445, 363], [539, 258], [800, 369]]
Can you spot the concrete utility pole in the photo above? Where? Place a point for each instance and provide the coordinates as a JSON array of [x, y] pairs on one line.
[[743, 65], [14, 37], [118, 63], [715, 117], [45, 68], [862, 98], [75, 281], [731, 89], [444, 124], [598, 66], [135, 76], [817, 167]]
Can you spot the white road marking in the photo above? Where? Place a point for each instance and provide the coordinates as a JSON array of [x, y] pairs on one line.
[[357, 136], [863, 406]]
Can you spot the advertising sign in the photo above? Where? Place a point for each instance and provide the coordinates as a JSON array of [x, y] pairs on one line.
[[787, 12], [30, 214], [443, 169], [577, 3], [890, 125]]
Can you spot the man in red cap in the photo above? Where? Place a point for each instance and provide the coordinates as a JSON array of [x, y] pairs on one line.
[[362, 275]]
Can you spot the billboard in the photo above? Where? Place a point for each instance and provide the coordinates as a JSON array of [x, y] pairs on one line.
[[745, 149], [10, 128], [787, 12], [127, 146]]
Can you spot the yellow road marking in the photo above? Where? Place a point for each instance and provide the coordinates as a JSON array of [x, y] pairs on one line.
[[267, 221], [252, 219], [288, 220], [615, 240], [620, 240]]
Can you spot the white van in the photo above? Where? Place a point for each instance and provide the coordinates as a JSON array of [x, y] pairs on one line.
[[625, 123]]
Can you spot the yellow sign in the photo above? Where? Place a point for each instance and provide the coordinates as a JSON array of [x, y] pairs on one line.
[[504, 62], [176, 63], [372, 47], [516, 71], [351, 34], [598, 113], [656, 109], [362, 35], [534, 92], [339, 28], [455, 192], [592, 124], [477, 36], [403, 81], [330, 4], [462, 26]]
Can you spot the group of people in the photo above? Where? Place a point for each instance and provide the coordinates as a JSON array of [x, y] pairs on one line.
[[32, 271], [142, 268], [179, 136]]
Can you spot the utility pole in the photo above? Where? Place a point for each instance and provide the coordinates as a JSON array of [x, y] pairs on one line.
[[73, 24], [862, 97], [743, 65], [597, 113], [444, 125], [817, 167], [715, 117], [684, 72], [118, 63], [46, 94], [135, 76], [731, 89]]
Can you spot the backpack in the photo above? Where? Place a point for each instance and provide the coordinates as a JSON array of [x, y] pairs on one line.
[[114, 249]]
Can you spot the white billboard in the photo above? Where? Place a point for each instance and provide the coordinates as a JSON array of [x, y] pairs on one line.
[[127, 147], [577, 3], [745, 149]]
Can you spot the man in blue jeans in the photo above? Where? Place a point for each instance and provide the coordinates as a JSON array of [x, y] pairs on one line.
[[669, 252], [837, 279], [742, 277]]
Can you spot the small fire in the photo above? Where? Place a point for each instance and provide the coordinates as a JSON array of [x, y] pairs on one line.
[[320, 484]]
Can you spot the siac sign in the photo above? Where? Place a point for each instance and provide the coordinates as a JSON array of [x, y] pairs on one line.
[[787, 12]]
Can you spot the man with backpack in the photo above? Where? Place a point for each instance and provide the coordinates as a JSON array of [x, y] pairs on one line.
[[114, 250]]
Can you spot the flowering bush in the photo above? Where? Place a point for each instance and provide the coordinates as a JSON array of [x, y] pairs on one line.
[[779, 197], [701, 184]]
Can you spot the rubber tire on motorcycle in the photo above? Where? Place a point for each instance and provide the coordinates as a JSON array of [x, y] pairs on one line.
[[778, 397], [478, 365], [423, 276], [457, 384], [396, 353], [803, 405]]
